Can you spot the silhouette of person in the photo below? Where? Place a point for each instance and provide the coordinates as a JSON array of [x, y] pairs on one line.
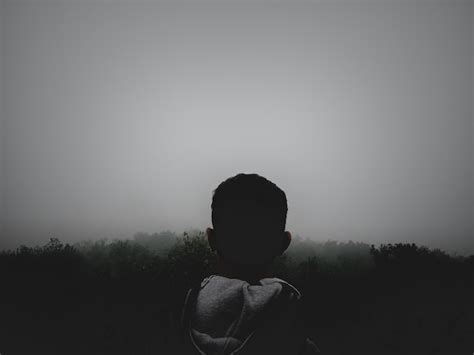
[[243, 308]]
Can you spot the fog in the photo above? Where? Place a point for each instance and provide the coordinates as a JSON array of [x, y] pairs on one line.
[[119, 117]]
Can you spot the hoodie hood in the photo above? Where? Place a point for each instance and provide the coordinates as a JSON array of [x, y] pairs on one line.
[[226, 311]]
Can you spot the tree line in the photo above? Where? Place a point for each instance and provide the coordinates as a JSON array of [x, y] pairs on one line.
[[125, 296]]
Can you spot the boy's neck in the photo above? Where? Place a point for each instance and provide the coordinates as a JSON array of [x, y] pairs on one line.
[[251, 274]]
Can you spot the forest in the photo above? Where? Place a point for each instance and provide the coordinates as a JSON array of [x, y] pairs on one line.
[[126, 296]]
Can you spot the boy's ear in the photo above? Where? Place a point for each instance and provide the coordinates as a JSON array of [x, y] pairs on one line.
[[211, 238], [286, 241]]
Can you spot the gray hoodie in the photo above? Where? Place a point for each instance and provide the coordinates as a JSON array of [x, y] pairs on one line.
[[230, 316]]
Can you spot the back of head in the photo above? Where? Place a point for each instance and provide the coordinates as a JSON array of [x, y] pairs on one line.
[[249, 217]]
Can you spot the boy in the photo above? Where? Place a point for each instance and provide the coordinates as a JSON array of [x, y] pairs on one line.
[[244, 309]]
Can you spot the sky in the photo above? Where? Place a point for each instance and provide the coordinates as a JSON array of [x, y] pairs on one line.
[[124, 116]]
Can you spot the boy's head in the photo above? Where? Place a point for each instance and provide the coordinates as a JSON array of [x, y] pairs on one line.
[[249, 218]]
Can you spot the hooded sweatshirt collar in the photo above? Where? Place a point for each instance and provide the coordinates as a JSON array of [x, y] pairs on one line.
[[227, 311]]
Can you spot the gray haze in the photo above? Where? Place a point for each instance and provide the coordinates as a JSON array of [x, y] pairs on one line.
[[118, 117]]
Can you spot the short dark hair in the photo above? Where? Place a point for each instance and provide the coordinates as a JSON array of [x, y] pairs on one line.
[[249, 218]]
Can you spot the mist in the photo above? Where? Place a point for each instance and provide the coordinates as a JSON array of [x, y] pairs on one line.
[[120, 116]]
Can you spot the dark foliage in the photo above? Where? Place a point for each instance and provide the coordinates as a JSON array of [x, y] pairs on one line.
[[125, 296]]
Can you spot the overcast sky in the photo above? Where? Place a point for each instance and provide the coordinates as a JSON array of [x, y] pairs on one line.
[[118, 117]]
